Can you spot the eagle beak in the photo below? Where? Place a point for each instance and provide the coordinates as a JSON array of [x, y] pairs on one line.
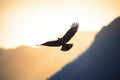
[[43, 44]]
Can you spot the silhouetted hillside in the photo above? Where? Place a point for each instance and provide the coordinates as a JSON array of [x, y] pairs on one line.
[[3, 53], [100, 62], [27, 63]]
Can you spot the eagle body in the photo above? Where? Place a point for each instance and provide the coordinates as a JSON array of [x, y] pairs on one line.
[[63, 41]]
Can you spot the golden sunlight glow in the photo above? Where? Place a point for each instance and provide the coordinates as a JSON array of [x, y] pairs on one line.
[[29, 22]]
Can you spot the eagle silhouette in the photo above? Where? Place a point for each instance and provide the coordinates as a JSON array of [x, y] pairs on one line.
[[63, 41]]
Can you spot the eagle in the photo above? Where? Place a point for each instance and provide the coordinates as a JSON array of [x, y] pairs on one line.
[[63, 41]]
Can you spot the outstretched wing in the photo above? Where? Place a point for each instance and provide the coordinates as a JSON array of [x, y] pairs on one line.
[[52, 43], [71, 32]]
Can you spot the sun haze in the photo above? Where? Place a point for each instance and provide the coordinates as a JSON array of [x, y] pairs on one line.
[[28, 22]]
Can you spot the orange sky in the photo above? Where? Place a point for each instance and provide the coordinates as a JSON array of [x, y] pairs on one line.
[[27, 22]]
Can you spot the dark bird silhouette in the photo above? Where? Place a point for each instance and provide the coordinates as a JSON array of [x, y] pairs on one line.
[[63, 41]]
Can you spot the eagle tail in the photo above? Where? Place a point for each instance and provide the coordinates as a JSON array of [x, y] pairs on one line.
[[66, 47]]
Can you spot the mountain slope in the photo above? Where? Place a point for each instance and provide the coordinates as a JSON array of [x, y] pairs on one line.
[[100, 62]]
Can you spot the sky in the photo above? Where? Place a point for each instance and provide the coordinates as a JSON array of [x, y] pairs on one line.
[[30, 22]]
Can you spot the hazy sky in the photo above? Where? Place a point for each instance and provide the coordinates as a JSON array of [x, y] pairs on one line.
[[27, 22]]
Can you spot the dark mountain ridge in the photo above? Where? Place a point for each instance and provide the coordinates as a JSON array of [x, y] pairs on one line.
[[100, 62]]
